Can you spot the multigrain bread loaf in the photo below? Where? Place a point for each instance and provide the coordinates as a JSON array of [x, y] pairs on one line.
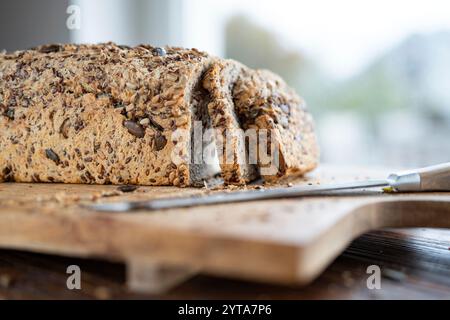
[[113, 114]]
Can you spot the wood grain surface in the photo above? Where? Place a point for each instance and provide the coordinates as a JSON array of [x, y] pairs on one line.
[[280, 241]]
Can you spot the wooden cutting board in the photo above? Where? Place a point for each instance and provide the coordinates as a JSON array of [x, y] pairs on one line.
[[279, 241]]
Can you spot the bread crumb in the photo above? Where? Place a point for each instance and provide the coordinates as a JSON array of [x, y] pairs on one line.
[[102, 293]]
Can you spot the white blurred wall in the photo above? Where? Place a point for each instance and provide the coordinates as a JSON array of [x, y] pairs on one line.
[[130, 22]]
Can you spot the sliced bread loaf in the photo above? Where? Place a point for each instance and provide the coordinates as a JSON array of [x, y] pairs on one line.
[[113, 114]]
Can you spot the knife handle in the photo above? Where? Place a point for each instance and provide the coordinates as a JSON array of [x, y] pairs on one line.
[[433, 178]]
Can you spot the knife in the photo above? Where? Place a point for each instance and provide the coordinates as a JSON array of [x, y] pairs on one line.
[[433, 178]]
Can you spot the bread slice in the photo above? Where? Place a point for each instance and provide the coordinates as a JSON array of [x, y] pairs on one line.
[[112, 114], [263, 102], [266, 125], [230, 138]]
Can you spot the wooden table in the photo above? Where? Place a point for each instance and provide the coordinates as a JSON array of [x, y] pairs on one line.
[[415, 263]]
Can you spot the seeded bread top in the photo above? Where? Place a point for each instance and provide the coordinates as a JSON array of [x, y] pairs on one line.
[[125, 78]]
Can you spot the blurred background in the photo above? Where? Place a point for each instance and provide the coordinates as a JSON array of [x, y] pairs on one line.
[[376, 74]]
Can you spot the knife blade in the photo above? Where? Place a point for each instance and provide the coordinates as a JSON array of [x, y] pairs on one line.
[[434, 178]]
